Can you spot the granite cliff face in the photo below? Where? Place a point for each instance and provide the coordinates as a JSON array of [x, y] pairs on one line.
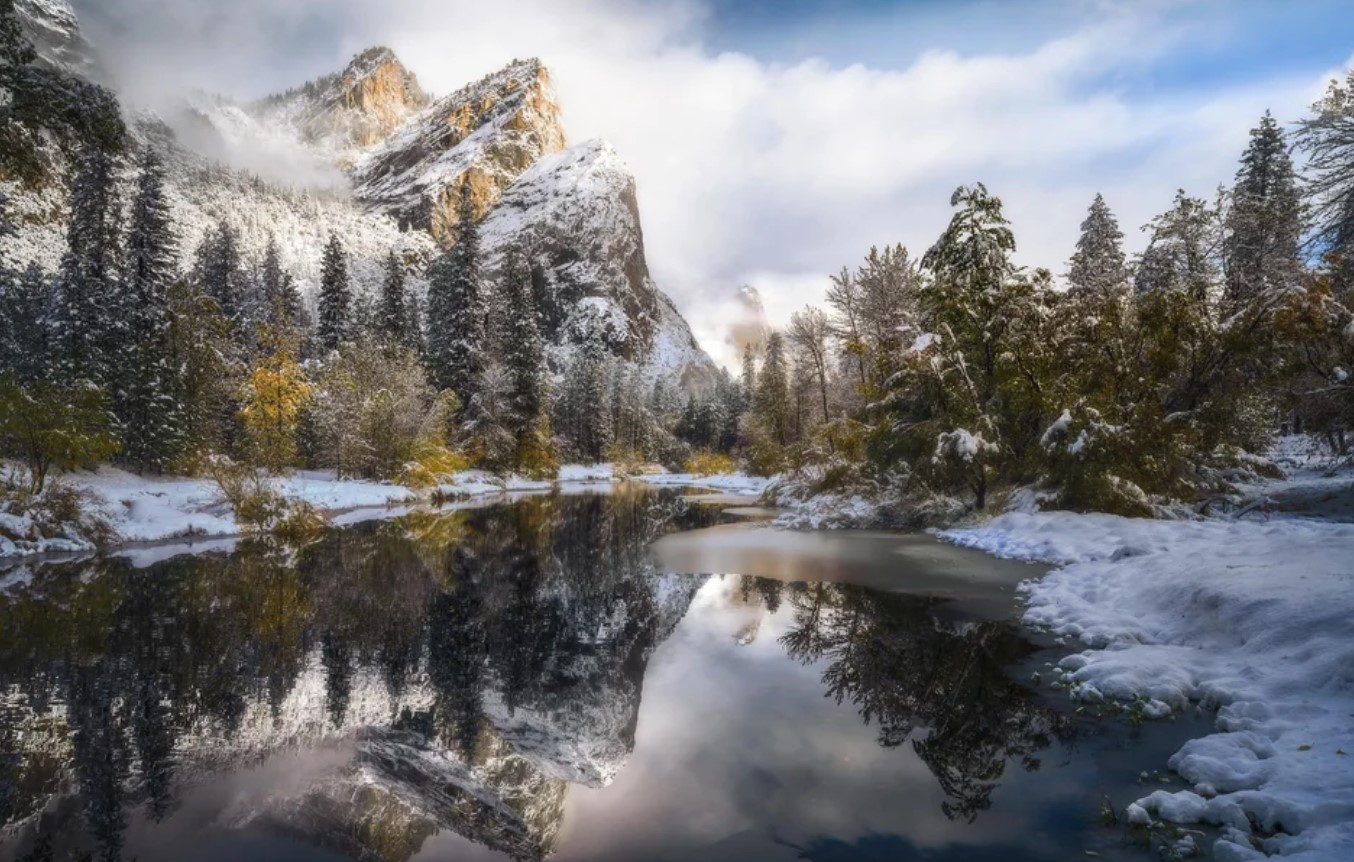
[[55, 32], [343, 115], [366, 153], [483, 136]]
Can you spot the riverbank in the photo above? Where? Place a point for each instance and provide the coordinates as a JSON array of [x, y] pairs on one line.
[[141, 509], [1252, 614]]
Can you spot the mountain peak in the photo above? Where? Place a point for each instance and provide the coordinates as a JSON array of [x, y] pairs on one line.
[[350, 111], [482, 136]]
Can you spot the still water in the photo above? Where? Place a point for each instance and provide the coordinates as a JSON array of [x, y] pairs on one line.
[[556, 677]]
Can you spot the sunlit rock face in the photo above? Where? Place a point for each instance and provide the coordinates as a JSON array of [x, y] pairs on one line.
[[482, 137], [348, 113]]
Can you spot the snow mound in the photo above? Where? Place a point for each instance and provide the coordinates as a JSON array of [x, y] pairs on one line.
[[1254, 617]]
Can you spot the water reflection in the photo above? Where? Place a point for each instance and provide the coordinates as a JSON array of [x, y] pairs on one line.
[[906, 671], [443, 674]]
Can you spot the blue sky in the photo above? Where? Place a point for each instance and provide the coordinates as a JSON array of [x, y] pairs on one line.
[[1219, 42]]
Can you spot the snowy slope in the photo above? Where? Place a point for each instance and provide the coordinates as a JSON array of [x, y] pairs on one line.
[[1256, 617], [202, 193]]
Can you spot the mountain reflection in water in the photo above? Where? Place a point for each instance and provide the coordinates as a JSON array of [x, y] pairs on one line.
[[467, 680]]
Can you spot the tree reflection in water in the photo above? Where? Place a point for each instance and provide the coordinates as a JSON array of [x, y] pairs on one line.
[[905, 668], [478, 662]]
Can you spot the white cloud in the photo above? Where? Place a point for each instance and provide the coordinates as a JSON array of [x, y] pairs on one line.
[[781, 173]]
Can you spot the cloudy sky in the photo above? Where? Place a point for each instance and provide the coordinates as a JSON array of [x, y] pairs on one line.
[[775, 141]]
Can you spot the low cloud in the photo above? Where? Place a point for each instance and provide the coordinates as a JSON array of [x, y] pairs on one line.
[[776, 174]]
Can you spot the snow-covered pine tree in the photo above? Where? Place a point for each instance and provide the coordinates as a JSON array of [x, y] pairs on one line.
[[1264, 222], [1327, 138], [24, 306], [1098, 264], [335, 296], [455, 314], [629, 418], [945, 402], [9, 280], [279, 297], [82, 324], [148, 398], [772, 405], [732, 405], [888, 286], [1183, 253], [583, 412], [394, 311], [1155, 270], [597, 427], [523, 349], [749, 376], [971, 263], [219, 271]]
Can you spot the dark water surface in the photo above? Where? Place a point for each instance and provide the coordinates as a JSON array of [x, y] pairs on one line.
[[552, 677]]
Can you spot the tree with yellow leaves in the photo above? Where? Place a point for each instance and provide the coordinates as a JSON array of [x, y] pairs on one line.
[[273, 398]]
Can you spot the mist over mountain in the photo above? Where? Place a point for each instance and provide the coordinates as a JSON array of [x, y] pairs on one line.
[[367, 154]]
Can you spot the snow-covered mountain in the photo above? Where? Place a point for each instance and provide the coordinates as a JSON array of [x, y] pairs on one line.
[[55, 32], [367, 154]]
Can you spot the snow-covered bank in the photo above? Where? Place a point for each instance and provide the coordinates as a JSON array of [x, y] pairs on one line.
[[142, 509], [1255, 616], [732, 483]]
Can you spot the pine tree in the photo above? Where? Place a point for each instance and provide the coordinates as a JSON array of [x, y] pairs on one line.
[[1264, 224], [147, 402], [24, 303], [280, 299], [455, 315], [335, 296], [394, 314], [950, 402], [772, 403], [749, 377], [524, 351], [971, 263], [1098, 263], [732, 404], [87, 287], [583, 413], [1327, 137], [1182, 255], [220, 272], [629, 418], [598, 427]]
